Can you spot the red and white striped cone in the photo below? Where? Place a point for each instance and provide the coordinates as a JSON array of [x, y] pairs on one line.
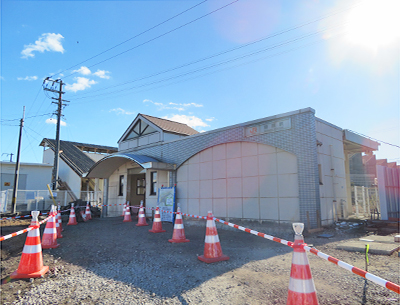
[[142, 218], [301, 284], [59, 217], [57, 221], [127, 216], [178, 236], [31, 263], [123, 210], [87, 212], [72, 218], [49, 240], [157, 225], [212, 246]]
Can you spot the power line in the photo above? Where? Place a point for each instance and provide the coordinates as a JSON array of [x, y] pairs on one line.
[[159, 36], [208, 67], [137, 35], [229, 50], [34, 116]]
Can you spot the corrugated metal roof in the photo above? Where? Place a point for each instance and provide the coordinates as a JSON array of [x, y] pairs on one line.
[[76, 159]]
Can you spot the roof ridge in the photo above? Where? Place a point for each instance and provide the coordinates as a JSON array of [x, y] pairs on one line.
[[164, 119]]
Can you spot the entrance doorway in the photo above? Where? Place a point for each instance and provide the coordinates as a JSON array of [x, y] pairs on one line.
[[137, 189]]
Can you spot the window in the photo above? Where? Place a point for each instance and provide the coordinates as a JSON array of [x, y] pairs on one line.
[[153, 185], [121, 186], [140, 186]]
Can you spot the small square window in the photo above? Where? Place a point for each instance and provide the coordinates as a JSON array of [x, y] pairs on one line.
[[153, 183]]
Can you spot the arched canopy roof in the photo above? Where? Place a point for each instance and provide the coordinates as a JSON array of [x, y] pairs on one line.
[[106, 166]]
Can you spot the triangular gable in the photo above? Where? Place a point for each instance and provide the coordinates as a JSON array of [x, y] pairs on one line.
[[139, 127]]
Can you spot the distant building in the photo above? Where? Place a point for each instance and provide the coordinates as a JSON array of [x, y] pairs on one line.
[[32, 176], [285, 168]]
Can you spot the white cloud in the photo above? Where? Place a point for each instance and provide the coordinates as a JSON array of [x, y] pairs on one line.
[[174, 106], [2, 78], [81, 83], [47, 42], [121, 111], [54, 121], [102, 74], [210, 119], [28, 78], [191, 121], [83, 70]]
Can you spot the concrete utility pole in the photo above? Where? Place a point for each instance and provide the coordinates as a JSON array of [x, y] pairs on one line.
[[16, 176], [58, 114]]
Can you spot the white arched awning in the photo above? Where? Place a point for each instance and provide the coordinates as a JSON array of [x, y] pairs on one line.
[[106, 166]]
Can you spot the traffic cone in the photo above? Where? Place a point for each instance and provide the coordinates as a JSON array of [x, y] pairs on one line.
[[87, 212], [178, 236], [57, 221], [142, 217], [301, 284], [157, 226], [59, 217], [212, 246], [127, 215], [49, 240], [83, 215], [123, 210], [31, 263], [72, 218]]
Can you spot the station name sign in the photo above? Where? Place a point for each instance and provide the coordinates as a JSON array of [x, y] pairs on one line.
[[267, 127]]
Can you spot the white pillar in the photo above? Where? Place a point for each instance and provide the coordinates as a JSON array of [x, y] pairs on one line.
[[356, 200]]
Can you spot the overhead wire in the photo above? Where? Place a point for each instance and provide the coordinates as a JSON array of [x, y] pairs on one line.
[[229, 50], [373, 139], [135, 36]]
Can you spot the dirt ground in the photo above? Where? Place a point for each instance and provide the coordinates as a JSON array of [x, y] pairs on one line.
[[109, 258]]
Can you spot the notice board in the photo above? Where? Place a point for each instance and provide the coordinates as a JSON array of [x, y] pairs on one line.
[[166, 202]]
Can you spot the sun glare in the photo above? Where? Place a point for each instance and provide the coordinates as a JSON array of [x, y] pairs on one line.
[[374, 24]]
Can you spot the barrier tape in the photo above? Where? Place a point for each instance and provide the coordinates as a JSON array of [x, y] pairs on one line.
[[369, 276], [25, 230], [25, 216]]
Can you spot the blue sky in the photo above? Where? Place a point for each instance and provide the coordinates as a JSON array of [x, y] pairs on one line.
[[209, 64]]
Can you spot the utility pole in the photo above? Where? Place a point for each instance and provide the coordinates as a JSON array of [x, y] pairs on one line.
[[16, 176], [59, 102]]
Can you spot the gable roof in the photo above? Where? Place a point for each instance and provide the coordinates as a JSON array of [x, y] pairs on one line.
[[164, 124], [72, 153]]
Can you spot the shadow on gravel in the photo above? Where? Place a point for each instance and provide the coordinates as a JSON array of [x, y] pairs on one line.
[[132, 255]]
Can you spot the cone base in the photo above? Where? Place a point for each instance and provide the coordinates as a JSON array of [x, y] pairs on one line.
[[59, 236], [72, 224], [157, 231], [130, 220], [50, 247], [40, 273], [176, 241], [142, 225], [213, 259]]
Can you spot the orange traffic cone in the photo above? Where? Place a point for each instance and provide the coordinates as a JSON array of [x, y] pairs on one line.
[[72, 218], [178, 236], [87, 212], [301, 284], [157, 226], [58, 224], [142, 217], [127, 216], [59, 217], [31, 263], [212, 246], [123, 210], [50, 232]]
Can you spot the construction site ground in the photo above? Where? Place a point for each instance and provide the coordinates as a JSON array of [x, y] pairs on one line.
[[107, 261]]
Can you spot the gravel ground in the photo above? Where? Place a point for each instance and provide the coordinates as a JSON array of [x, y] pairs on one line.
[[106, 261]]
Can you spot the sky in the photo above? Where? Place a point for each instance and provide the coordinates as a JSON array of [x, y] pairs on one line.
[[208, 64]]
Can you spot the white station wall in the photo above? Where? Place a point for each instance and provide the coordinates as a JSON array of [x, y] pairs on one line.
[[240, 180], [331, 162]]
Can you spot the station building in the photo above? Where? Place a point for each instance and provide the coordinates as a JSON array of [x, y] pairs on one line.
[[288, 167]]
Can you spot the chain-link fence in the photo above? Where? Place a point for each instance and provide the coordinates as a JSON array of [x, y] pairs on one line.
[[365, 201]]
